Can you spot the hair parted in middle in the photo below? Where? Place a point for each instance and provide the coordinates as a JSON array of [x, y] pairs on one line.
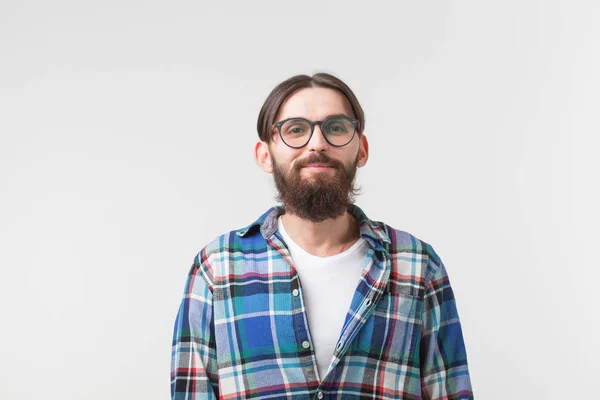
[[270, 108]]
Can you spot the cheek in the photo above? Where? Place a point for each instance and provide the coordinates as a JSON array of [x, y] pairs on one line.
[[282, 159], [348, 156]]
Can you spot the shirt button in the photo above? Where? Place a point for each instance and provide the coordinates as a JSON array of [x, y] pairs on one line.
[[340, 345], [305, 344], [295, 292], [320, 395]]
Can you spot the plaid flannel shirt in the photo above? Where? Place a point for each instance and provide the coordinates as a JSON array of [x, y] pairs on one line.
[[242, 331]]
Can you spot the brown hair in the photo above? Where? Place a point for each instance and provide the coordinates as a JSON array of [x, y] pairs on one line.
[[270, 108]]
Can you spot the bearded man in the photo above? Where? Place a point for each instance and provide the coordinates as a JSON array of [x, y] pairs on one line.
[[314, 299]]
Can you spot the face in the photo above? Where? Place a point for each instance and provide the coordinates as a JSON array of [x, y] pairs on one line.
[[315, 182]]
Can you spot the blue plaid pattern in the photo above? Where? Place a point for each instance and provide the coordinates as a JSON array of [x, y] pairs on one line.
[[241, 334]]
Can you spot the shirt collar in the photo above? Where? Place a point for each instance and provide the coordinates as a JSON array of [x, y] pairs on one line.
[[369, 229]]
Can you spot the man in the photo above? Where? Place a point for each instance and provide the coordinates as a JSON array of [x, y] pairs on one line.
[[314, 299]]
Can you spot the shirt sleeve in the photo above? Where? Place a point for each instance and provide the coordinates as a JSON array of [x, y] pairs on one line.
[[193, 357], [444, 370]]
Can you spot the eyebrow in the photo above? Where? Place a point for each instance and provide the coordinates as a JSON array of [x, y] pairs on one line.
[[337, 115], [327, 116]]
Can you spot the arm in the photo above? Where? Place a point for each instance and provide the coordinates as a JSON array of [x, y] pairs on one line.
[[444, 370], [193, 357]]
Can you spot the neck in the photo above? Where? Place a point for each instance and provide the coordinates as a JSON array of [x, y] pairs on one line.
[[324, 238]]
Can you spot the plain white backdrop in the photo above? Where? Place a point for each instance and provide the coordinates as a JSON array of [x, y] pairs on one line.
[[126, 144]]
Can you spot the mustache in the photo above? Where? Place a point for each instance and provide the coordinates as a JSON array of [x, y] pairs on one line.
[[320, 159]]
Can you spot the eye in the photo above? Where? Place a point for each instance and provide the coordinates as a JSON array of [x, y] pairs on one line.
[[335, 128], [295, 127]]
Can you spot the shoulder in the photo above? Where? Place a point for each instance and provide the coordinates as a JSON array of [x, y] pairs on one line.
[[211, 261], [396, 242], [210, 256], [414, 262], [405, 242]]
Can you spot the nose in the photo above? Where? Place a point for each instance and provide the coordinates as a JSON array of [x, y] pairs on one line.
[[317, 142]]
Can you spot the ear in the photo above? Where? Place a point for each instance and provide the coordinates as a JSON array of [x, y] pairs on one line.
[[262, 156], [363, 151]]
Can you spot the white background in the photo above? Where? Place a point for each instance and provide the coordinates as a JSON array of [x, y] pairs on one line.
[[126, 144]]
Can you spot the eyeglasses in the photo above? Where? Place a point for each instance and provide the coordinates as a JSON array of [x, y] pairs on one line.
[[338, 130]]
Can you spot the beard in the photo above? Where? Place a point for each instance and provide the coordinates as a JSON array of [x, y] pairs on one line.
[[320, 196]]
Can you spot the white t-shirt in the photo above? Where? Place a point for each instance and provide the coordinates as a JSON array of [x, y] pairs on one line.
[[328, 285]]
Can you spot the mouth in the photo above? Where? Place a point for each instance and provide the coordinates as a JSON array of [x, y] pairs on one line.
[[317, 166]]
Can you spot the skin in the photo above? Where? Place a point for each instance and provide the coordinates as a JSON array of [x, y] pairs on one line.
[[330, 236]]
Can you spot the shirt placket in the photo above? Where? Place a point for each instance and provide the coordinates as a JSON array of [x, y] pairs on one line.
[[300, 319], [379, 269]]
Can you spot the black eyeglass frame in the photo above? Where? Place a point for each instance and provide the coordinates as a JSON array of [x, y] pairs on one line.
[[312, 124]]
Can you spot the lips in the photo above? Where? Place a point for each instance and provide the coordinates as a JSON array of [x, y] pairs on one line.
[[318, 166]]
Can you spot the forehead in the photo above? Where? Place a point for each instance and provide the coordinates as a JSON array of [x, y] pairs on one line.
[[314, 104]]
